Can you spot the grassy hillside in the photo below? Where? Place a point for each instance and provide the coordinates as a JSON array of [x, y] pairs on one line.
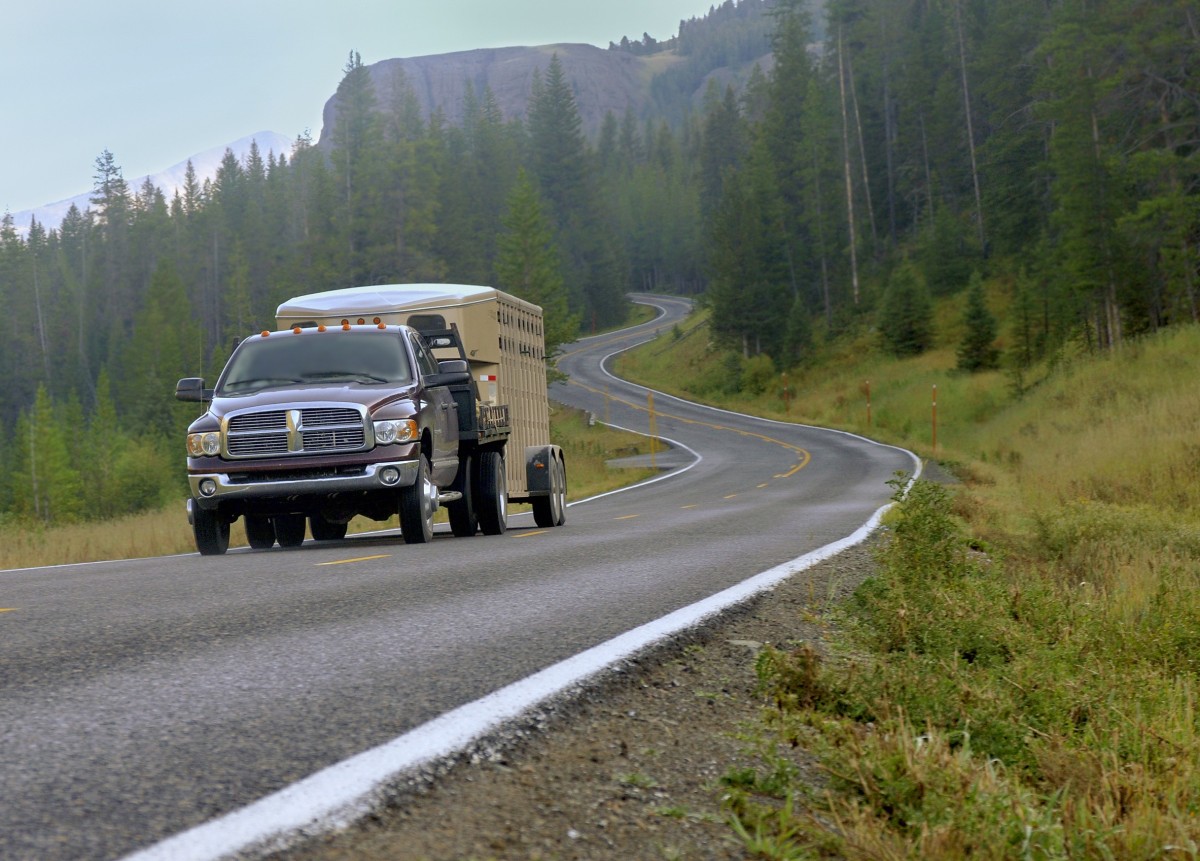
[[1019, 680]]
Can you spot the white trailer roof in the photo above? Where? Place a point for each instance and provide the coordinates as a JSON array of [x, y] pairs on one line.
[[383, 299]]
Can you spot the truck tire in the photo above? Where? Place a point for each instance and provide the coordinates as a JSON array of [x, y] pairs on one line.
[[326, 530], [416, 507], [211, 531], [289, 529], [464, 521], [260, 532], [551, 510], [491, 498]]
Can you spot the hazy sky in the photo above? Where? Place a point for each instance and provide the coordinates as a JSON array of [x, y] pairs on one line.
[[155, 81]]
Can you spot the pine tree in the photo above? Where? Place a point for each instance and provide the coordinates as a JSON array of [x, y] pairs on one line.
[[529, 266], [906, 313], [978, 351]]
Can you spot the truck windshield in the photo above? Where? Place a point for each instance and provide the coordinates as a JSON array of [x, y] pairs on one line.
[[333, 357]]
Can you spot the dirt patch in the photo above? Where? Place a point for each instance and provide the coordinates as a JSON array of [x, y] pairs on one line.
[[628, 768]]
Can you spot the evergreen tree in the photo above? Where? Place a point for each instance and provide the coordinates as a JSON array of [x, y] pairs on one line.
[[529, 266], [978, 351], [567, 184], [906, 313]]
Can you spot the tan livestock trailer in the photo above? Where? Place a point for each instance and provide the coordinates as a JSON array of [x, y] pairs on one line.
[[501, 338]]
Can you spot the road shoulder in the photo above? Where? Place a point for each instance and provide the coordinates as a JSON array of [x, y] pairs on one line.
[[629, 767]]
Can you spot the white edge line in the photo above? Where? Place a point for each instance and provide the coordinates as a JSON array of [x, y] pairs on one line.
[[341, 793]]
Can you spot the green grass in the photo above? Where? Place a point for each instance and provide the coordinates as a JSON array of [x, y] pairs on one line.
[[1019, 680]]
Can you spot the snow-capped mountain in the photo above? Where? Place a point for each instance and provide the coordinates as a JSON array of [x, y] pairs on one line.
[[204, 163]]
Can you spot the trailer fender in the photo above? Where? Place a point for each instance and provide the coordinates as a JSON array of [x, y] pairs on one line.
[[538, 472]]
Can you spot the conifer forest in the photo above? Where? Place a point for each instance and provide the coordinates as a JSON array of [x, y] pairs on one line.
[[893, 153]]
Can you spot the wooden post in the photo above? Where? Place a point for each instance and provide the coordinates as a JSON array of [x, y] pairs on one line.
[[935, 419]]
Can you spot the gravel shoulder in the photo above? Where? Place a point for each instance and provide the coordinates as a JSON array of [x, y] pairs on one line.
[[627, 768]]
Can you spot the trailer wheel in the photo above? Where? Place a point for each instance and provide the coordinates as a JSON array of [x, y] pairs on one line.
[[492, 493], [289, 529], [551, 509], [464, 521], [326, 530], [416, 507], [260, 532], [211, 531]]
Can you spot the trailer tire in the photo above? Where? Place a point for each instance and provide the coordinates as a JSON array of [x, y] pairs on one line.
[[289, 529], [416, 507], [551, 509], [326, 530], [260, 532], [492, 493], [464, 520], [211, 531]]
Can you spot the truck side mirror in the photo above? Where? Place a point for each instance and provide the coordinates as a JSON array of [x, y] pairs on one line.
[[192, 389], [451, 372]]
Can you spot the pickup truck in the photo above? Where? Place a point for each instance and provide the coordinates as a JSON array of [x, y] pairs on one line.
[[313, 424]]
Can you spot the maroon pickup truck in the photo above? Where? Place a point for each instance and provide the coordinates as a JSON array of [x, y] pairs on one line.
[[312, 426]]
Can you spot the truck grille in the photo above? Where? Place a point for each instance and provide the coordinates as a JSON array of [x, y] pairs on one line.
[[305, 430]]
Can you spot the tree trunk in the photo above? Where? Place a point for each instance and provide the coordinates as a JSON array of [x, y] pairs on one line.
[[962, 59], [847, 173]]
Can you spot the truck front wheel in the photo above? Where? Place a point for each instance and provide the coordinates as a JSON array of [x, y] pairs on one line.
[[416, 507], [211, 531], [491, 498]]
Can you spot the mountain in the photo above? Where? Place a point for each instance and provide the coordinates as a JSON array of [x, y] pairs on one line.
[[653, 80], [205, 164]]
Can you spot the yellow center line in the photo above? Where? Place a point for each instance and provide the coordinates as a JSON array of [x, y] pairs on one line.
[[764, 484], [693, 505], [731, 496], [7, 609], [528, 534], [357, 559], [627, 517], [805, 456]]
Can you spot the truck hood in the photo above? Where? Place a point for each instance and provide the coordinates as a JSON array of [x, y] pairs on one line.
[[373, 398]]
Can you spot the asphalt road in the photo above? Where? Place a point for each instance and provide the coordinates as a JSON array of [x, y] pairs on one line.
[[138, 699]]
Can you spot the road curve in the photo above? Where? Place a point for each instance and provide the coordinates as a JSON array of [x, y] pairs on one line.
[[141, 699]]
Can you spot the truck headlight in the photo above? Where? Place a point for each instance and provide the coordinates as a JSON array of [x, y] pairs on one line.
[[402, 430], [200, 444]]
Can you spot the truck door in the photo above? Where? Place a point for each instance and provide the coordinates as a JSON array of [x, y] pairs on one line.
[[442, 416]]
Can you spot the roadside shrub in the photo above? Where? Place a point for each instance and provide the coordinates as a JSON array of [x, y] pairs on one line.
[[758, 374]]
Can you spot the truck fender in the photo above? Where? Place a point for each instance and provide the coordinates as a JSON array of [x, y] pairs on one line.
[[537, 467]]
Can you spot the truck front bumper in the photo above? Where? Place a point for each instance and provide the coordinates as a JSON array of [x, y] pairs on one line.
[[209, 490]]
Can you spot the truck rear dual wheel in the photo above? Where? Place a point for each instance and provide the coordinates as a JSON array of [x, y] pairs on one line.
[[211, 531], [416, 507], [289, 529], [326, 530], [464, 520], [260, 532], [491, 493], [551, 510]]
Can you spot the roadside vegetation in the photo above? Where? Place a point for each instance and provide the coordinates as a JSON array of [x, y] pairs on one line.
[[1019, 679], [165, 530]]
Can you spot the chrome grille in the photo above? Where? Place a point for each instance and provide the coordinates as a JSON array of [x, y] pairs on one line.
[[326, 428], [274, 420]]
